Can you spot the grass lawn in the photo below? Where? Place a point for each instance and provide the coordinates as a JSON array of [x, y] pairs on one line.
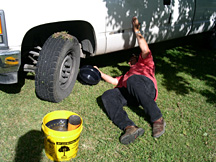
[[186, 75]]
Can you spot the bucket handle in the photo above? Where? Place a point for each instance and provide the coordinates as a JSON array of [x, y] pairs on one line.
[[45, 136]]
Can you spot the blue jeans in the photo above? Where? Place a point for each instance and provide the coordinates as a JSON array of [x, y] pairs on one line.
[[140, 91]]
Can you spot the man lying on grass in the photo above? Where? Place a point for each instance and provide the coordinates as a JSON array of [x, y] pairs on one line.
[[138, 86]]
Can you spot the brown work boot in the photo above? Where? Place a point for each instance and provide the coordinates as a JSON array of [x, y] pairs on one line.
[[131, 133], [159, 127]]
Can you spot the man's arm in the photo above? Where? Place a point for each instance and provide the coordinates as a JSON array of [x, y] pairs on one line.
[[141, 40], [107, 78]]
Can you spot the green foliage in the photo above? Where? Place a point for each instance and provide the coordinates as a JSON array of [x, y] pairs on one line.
[[186, 81]]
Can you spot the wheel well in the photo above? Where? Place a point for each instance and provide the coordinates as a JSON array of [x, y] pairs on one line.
[[82, 30]]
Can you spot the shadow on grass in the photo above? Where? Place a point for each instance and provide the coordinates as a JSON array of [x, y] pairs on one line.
[[189, 55], [30, 147], [16, 88]]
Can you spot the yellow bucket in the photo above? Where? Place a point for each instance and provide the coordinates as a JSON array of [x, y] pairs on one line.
[[60, 145]]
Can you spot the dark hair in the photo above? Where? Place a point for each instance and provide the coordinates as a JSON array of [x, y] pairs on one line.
[[135, 55]]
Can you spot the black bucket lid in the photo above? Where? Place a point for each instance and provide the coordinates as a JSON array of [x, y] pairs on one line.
[[89, 75]]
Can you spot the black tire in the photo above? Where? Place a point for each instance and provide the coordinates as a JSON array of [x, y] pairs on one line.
[[57, 68]]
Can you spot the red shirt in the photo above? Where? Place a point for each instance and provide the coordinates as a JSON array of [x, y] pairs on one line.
[[144, 67]]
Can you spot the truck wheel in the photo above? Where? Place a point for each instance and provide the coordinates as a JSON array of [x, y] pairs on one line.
[[57, 67]]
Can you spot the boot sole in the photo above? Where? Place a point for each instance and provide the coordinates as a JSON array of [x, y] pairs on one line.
[[127, 139]]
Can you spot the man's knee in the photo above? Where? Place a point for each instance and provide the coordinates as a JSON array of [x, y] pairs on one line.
[[107, 95], [113, 97]]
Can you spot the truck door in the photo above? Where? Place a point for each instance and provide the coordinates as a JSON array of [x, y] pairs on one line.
[[205, 16], [181, 18], [153, 15], [161, 20], [171, 19]]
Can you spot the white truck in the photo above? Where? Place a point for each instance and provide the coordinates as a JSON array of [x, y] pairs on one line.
[[48, 37]]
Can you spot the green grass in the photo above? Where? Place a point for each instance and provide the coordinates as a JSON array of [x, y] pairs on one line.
[[186, 76]]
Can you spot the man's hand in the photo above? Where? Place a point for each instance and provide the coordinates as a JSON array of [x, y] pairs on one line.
[[141, 41], [107, 78], [136, 24]]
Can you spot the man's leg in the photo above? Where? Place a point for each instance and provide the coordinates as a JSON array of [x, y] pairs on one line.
[[142, 88], [113, 101]]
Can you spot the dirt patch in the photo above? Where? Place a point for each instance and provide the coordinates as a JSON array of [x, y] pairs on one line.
[[64, 35]]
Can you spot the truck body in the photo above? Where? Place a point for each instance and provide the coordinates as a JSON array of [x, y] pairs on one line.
[[100, 26]]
